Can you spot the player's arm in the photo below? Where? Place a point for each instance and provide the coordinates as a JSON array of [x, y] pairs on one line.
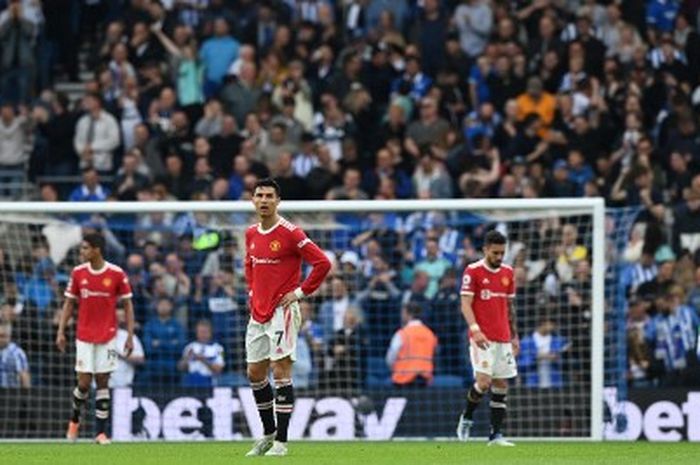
[[513, 322], [312, 254], [248, 264], [66, 314], [129, 314], [474, 330]]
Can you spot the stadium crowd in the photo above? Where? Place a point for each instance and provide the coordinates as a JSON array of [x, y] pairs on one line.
[[360, 99]]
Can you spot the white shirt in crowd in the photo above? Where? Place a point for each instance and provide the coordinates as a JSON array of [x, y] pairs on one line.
[[212, 351], [103, 138], [123, 376], [544, 367]]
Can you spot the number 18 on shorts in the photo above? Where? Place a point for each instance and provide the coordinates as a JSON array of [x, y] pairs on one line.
[[275, 339]]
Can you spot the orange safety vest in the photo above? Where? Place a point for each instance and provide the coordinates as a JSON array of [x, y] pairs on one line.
[[415, 357]]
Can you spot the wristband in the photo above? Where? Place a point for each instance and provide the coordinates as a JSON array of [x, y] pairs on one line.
[[475, 327]]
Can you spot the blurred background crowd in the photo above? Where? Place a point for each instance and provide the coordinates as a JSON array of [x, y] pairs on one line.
[[153, 100]]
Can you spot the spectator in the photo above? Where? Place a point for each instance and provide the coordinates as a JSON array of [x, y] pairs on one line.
[[536, 100], [240, 96], [163, 339], [332, 312], [14, 367], [202, 360], [474, 20], [451, 358], [430, 179], [419, 286], [96, 136], [345, 353], [13, 137], [672, 335], [350, 190], [430, 129], [434, 265], [91, 190], [412, 351], [18, 36], [123, 376], [57, 129], [129, 180], [540, 358], [217, 54]]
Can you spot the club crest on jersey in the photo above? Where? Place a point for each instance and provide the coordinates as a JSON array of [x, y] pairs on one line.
[[107, 282], [275, 245], [505, 281]]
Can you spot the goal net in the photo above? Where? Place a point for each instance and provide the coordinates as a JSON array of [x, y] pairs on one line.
[[184, 261]]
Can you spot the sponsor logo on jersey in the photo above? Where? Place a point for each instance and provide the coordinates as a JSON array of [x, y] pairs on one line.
[[264, 261], [107, 282], [505, 281], [485, 294], [85, 293], [275, 245]]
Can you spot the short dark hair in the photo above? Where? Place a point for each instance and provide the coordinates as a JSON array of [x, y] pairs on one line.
[[494, 237], [414, 309], [268, 182], [95, 240]]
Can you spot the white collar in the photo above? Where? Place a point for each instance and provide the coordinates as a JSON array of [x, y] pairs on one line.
[[268, 231]]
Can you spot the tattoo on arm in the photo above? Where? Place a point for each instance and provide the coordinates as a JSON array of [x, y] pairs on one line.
[[512, 318]]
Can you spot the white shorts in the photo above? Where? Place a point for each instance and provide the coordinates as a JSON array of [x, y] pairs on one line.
[[497, 361], [95, 358], [275, 339]]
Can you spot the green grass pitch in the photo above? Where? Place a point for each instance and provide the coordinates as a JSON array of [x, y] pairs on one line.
[[352, 453]]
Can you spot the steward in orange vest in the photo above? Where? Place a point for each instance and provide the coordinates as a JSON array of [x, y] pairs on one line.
[[412, 350]]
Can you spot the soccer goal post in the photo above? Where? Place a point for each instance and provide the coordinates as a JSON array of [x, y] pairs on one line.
[[185, 263]]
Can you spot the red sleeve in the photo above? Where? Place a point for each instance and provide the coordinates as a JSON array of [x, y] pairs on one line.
[[468, 282], [72, 291], [511, 286], [247, 262], [124, 288], [312, 254]]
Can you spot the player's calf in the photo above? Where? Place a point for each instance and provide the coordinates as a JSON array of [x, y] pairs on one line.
[[498, 410], [102, 407], [80, 396]]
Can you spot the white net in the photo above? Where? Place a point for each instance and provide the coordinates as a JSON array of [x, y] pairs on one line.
[[187, 267]]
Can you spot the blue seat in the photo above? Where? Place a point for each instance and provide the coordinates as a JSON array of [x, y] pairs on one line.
[[447, 381], [234, 379], [376, 366]]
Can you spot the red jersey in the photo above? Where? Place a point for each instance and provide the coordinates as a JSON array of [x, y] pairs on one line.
[[97, 292], [491, 288], [273, 266]]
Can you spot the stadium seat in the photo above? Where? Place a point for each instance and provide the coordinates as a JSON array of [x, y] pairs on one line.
[[231, 380], [447, 381]]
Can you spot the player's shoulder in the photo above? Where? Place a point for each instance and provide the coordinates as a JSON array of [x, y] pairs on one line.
[[81, 267], [506, 269], [114, 268], [473, 266], [287, 225]]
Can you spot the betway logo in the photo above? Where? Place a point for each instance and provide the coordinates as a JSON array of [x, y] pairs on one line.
[[334, 417], [661, 421]]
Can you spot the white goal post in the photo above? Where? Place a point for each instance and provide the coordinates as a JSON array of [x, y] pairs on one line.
[[503, 211]]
